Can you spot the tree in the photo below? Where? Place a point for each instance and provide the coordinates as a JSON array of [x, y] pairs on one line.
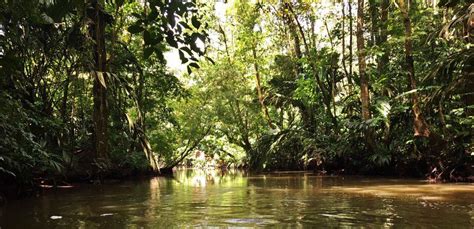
[[419, 123], [100, 74], [364, 82]]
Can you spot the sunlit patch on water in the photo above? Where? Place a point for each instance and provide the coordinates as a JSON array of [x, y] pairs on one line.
[[251, 221], [338, 216], [422, 191], [431, 198], [111, 206]]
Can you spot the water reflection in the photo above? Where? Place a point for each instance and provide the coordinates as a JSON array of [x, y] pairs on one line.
[[203, 177], [197, 198]]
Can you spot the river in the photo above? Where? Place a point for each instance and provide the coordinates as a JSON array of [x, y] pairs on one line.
[[195, 198]]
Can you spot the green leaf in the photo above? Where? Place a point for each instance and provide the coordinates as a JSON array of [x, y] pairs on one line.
[[131, 123], [135, 28], [193, 64], [210, 60], [119, 3], [147, 37], [170, 40], [100, 76], [171, 19], [187, 50], [184, 24], [152, 15], [182, 57], [159, 55], [157, 38], [147, 52], [196, 23]]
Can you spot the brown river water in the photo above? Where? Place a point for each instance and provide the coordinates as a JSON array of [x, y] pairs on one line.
[[212, 199]]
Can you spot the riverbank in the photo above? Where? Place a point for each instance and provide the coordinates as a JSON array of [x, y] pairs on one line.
[[15, 191]]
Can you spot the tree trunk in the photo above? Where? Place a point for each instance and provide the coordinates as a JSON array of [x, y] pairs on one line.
[[420, 126], [305, 111], [325, 92], [65, 97], [364, 83], [343, 42], [468, 69], [259, 89], [351, 32], [373, 5], [383, 60], [141, 82], [101, 111]]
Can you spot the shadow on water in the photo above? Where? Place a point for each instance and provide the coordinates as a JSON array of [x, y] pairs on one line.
[[197, 198]]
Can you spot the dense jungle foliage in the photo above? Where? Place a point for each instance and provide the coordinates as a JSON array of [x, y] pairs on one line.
[[109, 88]]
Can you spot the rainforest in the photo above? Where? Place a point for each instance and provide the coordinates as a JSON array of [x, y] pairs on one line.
[[94, 91]]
